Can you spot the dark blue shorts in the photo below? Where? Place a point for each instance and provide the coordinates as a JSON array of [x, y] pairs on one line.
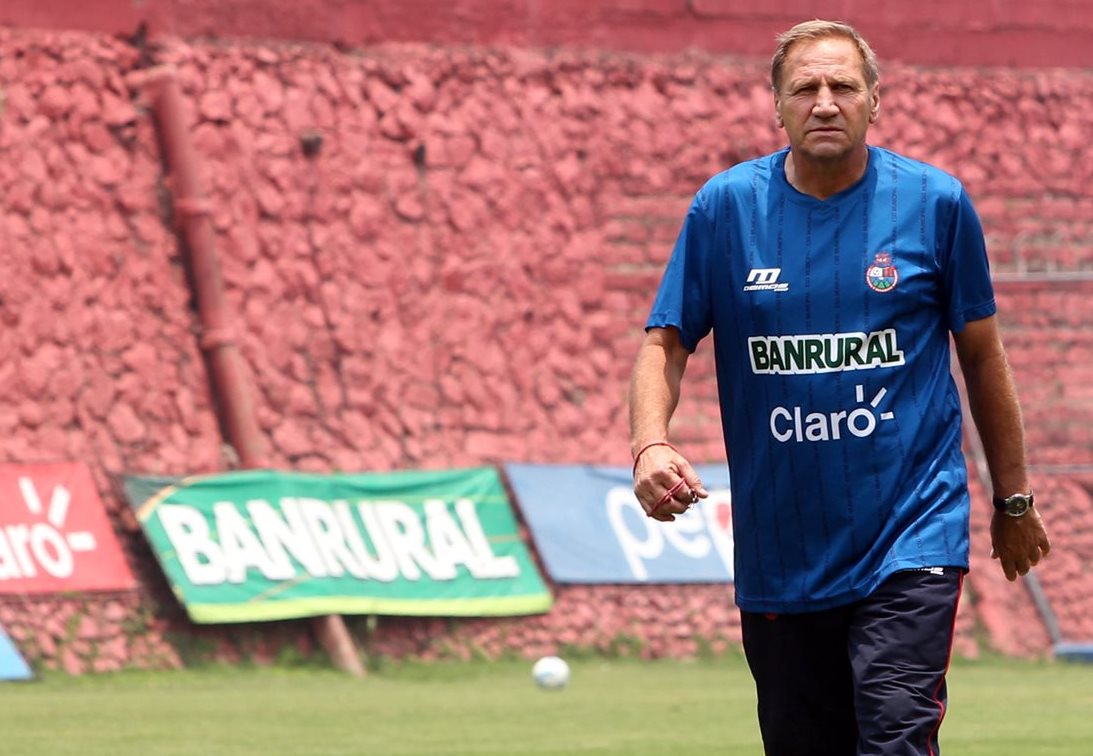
[[866, 679]]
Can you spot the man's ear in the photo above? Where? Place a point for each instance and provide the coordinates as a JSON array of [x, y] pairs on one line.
[[874, 106], [778, 113]]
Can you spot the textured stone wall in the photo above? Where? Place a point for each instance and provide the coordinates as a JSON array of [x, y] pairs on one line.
[[931, 32], [457, 277], [99, 360]]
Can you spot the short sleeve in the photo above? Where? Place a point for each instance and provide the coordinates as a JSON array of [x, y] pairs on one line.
[[965, 270], [683, 299]]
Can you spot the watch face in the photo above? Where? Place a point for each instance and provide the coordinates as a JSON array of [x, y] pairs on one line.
[[1017, 505]]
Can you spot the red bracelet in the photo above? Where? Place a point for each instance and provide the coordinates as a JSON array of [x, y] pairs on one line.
[[667, 497], [648, 446]]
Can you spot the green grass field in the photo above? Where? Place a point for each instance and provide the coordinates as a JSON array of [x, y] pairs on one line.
[[1000, 708]]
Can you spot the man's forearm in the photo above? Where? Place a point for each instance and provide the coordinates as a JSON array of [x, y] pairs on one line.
[[992, 397], [997, 414], [654, 388]]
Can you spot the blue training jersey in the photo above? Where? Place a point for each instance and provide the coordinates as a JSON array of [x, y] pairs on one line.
[[831, 323]]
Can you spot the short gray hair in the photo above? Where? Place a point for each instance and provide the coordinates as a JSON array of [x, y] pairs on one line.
[[818, 29]]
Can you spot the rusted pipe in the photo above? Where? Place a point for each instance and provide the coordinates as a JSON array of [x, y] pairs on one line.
[[217, 336], [191, 210]]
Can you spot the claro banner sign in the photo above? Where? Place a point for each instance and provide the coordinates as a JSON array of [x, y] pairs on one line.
[[589, 528], [54, 532], [265, 545]]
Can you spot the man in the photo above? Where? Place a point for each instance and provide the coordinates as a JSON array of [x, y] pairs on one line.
[[831, 274]]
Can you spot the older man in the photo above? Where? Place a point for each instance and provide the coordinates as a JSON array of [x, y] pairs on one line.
[[831, 274]]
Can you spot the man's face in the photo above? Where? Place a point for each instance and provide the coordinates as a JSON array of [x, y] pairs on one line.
[[824, 103]]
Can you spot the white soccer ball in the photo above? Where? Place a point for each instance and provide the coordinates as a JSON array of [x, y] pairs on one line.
[[550, 673]]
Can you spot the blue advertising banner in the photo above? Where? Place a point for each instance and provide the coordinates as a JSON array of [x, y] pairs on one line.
[[12, 665], [589, 528]]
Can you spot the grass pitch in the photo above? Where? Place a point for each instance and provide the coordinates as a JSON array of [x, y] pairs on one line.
[[1000, 708]]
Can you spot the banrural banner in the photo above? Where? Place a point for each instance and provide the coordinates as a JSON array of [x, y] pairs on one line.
[[589, 528], [54, 533], [266, 545]]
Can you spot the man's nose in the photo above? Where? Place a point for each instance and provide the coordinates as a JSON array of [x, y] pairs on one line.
[[825, 102]]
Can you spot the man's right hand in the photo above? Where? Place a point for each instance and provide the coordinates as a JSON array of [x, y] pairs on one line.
[[659, 470]]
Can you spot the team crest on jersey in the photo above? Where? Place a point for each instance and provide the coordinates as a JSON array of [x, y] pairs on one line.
[[882, 275]]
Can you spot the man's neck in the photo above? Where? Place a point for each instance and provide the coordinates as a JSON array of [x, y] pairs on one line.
[[823, 179]]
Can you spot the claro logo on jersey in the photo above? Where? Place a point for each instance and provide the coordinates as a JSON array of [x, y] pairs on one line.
[[800, 425], [824, 352], [765, 279]]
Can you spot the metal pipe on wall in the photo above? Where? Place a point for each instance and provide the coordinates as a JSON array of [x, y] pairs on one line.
[[217, 335]]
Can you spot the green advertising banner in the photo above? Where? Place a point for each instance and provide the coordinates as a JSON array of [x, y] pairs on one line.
[[267, 545]]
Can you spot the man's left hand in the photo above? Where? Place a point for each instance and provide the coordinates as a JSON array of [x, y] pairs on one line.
[[1019, 543]]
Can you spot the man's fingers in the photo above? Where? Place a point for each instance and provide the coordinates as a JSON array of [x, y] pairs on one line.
[[693, 481], [1045, 546], [1010, 570], [667, 499], [675, 500]]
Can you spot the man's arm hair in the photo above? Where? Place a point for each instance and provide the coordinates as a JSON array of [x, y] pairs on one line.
[[655, 386], [992, 397]]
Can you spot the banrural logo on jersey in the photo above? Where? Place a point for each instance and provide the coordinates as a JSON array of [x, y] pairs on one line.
[[271, 545]]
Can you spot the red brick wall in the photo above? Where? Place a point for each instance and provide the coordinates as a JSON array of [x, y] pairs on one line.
[[934, 32], [458, 277]]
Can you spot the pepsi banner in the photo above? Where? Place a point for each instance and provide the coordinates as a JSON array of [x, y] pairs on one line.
[[589, 528]]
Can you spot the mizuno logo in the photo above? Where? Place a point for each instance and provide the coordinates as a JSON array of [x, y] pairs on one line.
[[765, 279]]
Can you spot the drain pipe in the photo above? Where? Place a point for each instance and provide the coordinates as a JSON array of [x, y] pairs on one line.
[[217, 336]]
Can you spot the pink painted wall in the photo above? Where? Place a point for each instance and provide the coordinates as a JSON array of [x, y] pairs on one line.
[[458, 277], [933, 32]]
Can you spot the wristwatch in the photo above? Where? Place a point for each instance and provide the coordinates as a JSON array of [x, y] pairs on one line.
[[1015, 505]]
